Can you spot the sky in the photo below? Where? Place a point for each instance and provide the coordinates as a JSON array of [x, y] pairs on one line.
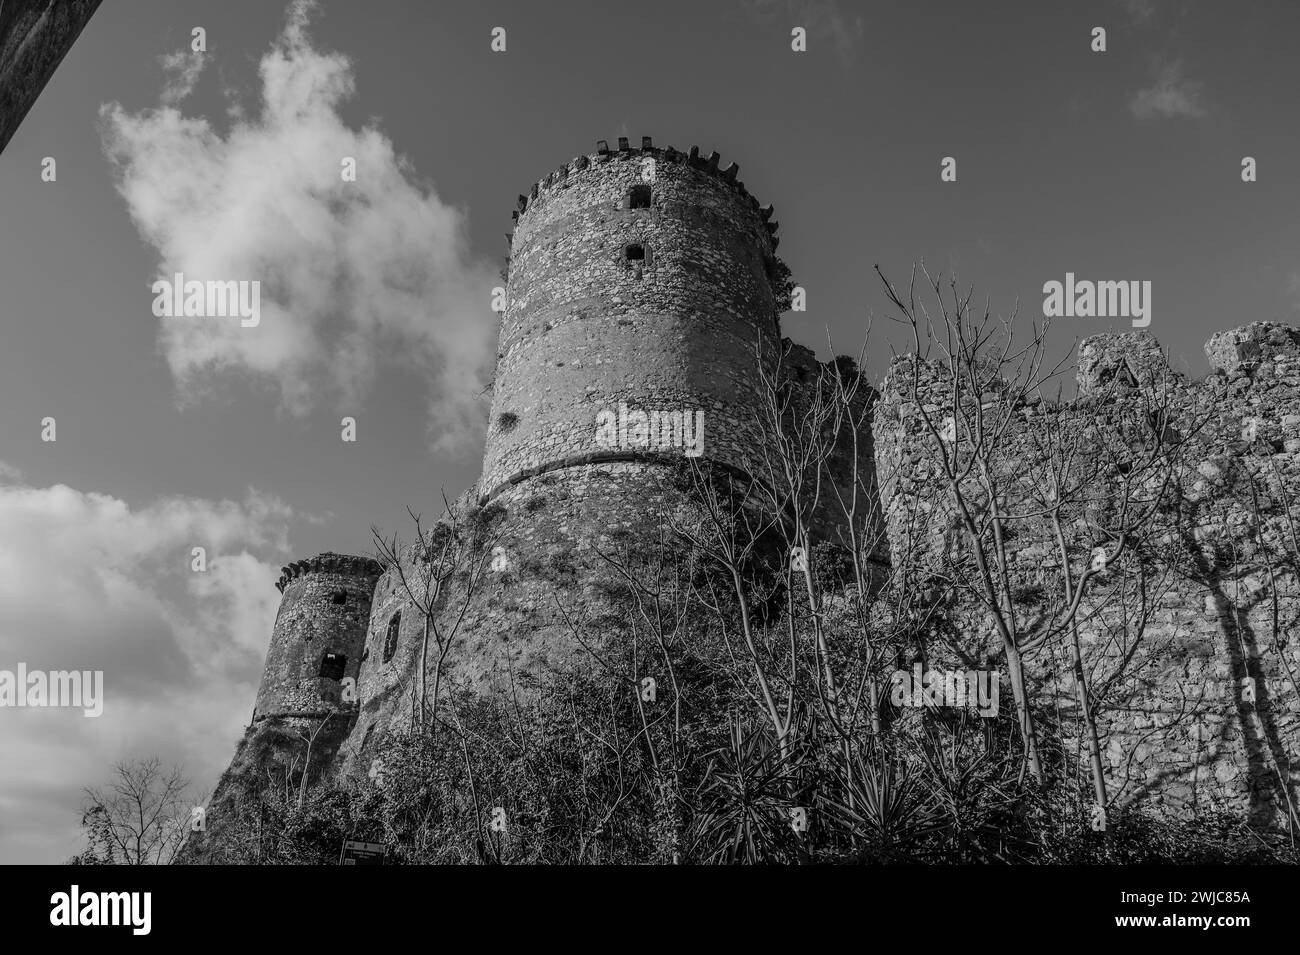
[[1117, 165]]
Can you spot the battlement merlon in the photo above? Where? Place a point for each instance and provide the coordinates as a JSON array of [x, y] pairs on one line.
[[1138, 356], [1121, 361], [1244, 349]]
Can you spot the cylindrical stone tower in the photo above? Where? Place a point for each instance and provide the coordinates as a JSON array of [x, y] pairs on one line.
[[319, 635], [640, 282]]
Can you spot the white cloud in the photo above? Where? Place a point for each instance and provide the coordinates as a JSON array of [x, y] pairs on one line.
[[9, 474], [1170, 95], [1139, 11], [352, 274], [823, 19], [89, 583], [182, 69]]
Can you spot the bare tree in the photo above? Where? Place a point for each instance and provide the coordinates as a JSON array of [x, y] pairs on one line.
[[861, 530], [793, 440], [656, 611], [968, 353], [310, 740], [730, 529], [140, 817], [1099, 486]]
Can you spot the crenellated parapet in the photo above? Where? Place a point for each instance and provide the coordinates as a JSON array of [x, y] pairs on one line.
[[710, 165], [329, 563]]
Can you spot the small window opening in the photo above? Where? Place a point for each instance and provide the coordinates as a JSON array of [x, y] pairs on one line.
[[332, 666], [635, 252], [639, 197], [340, 598], [390, 638]]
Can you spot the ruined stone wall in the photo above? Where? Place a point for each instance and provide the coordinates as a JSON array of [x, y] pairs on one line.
[[586, 328], [1218, 570], [325, 609]]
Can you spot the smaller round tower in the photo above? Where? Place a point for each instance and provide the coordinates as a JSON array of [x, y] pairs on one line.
[[319, 635]]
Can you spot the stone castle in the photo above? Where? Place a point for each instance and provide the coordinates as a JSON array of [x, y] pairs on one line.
[[645, 277], [639, 278]]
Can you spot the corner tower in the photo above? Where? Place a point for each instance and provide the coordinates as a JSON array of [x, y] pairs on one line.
[[319, 635], [638, 276]]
